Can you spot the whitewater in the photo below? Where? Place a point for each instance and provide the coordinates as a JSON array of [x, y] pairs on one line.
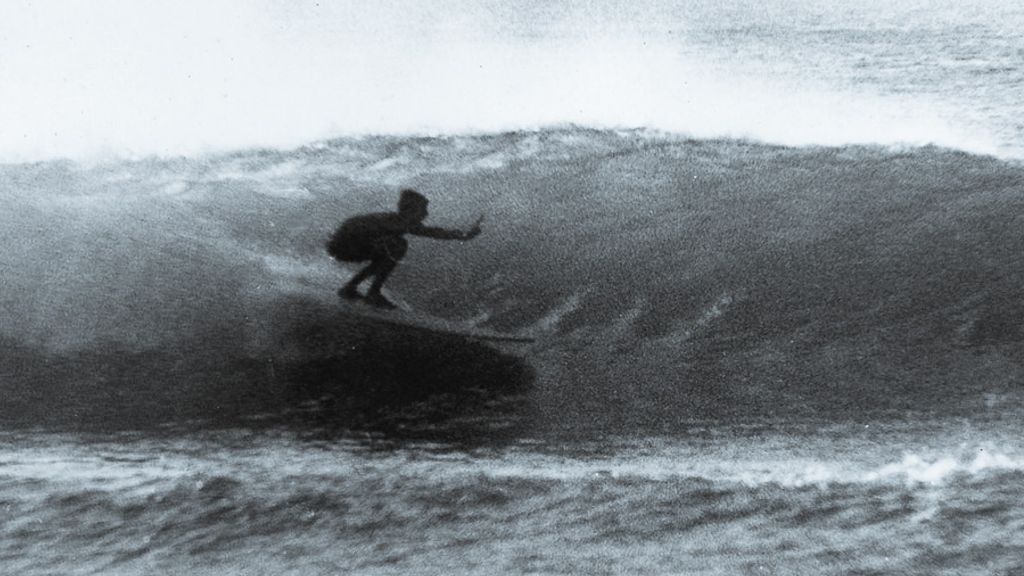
[[771, 255], [194, 78]]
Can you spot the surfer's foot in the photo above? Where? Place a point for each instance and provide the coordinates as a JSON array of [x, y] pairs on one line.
[[349, 293], [377, 300]]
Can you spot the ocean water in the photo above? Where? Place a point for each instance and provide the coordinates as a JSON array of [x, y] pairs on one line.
[[819, 498], [771, 258]]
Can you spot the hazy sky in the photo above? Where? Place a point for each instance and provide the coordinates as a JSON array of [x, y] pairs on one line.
[[96, 77], [155, 76]]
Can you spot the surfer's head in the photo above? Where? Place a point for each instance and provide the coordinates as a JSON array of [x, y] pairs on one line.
[[412, 205]]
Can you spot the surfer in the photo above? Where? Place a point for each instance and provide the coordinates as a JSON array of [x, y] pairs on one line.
[[379, 239]]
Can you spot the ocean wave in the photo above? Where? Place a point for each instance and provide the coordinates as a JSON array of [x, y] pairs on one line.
[[217, 509], [352, 492], [132, 503], [670, 277]]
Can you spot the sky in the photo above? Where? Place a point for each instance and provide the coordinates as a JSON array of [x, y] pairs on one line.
[[87, 78], [142, 77]]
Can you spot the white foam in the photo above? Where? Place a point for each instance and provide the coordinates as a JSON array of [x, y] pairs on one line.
[[916, 470], [912, 469], [553, 318], [190, 77]]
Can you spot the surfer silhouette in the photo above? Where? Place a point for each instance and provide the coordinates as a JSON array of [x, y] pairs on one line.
[[378, 238]]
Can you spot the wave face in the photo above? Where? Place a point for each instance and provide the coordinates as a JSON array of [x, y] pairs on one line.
[[668, 279]]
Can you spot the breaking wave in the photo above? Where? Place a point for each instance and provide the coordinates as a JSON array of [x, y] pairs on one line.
[[666, 278]]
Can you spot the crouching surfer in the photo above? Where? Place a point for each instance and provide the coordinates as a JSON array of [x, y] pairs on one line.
[[379, 239]]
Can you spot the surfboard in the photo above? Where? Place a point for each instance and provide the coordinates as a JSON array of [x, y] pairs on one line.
[[407, 318]]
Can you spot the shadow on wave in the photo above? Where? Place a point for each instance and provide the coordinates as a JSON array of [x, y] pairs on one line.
[[323, 371]]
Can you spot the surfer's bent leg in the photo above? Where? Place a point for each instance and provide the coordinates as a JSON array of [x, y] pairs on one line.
[[350, 250], [386, 255]]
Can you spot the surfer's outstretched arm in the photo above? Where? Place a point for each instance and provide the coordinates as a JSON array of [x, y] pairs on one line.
[[439, 233]]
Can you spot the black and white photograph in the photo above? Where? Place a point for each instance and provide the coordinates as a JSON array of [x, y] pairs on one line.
[[512, 287]]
